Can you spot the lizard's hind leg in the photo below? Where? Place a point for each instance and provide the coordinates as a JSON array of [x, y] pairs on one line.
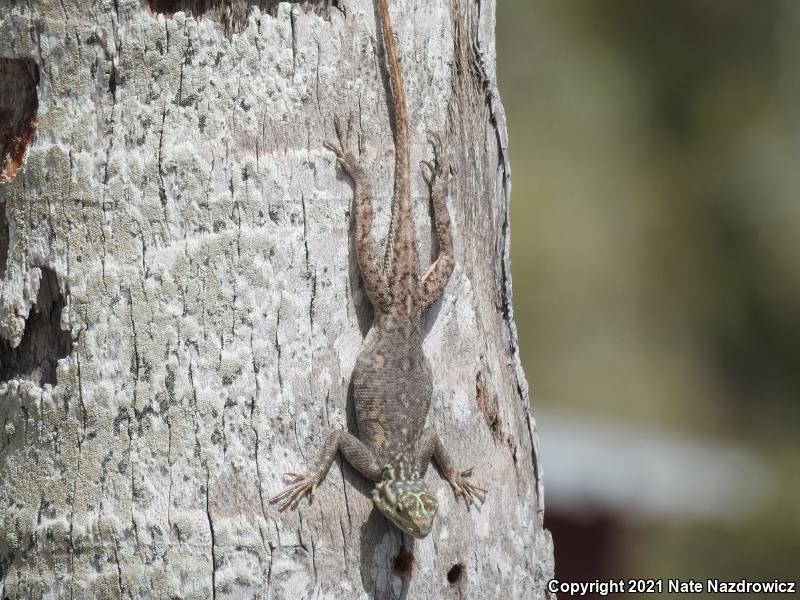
[[435, 278], [369, 262]]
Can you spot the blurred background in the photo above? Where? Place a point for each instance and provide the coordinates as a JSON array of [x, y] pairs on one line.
[[655, 154]]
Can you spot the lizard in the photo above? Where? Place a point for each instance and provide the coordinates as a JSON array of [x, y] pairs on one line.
[[392, 378]]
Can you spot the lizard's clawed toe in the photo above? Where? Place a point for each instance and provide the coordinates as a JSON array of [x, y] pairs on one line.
[[346, 153], [337, 125], [436, 140], [439, 167], [335, 148], [292, 495], [428, 177], [470, 492]]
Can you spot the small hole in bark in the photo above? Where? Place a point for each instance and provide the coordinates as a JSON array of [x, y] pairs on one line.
[[43, 342], [403, 563], [18, 105], [456, 574]]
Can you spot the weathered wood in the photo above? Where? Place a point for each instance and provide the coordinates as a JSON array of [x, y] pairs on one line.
[[177, 193]]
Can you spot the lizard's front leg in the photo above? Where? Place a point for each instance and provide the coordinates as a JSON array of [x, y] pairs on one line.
[[354, 450], [369, 261], [431, 446], [435, 278]]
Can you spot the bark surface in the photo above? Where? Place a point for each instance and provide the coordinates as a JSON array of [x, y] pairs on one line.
[[180, 306]]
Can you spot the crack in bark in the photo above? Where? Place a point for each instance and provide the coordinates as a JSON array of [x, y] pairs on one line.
[[255, 431], [278, 347], [293, 24], [311, 309], [162, 191], [5, 239], [136, 364], [119, 565], [305, 231], [169, 464], [269, 569], [197, 446], [314, 561], [309, 274], [238, 210], [74, 549], [82, 437], [213, 539]]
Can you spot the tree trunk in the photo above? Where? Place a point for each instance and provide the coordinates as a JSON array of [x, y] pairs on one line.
[[180, 306]]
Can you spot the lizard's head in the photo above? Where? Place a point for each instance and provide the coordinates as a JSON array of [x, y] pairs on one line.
[[408, 503]]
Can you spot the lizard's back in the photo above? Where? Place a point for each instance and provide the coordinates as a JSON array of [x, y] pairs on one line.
[[392, 386]]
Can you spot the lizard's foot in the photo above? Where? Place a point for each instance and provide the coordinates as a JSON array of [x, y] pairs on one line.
[[346, 152], [469, 491], [440, 166], [290, 497]]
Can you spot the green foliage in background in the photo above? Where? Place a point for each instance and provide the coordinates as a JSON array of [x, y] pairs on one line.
[[655, 153]]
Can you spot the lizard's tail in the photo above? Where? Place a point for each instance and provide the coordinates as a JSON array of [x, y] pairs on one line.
[[400, 246]]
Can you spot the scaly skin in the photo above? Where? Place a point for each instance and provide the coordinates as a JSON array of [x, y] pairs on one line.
[[392, 381]]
